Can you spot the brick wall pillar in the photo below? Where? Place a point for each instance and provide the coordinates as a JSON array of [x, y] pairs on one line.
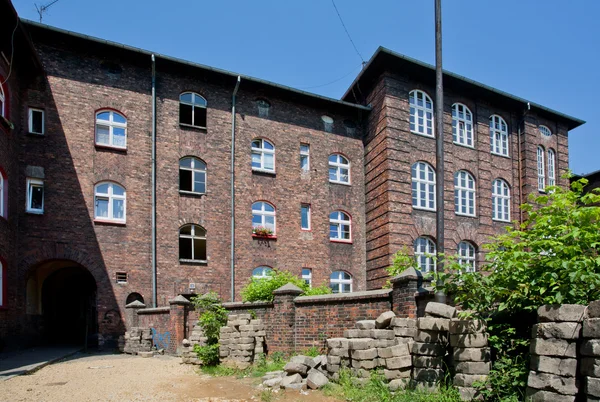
[[131, 314], [405, 289], [283, 330], [178, 323]]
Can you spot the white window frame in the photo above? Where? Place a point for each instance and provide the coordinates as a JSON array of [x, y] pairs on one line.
[[263, 213], [110, 196], [500, 201], [541, 173], [425, 252], [307, 276], [499, 144], [467, 256], [31, 182], [2, 102], [308, 208], [545, 131], [31, 111], [305, 155], [261, 151], [464, 193], [420, 196], [340, 280], [421, 111], [551, 167], [339, 223], [111, 124], [338, 165], [194, 105], [194, 237], [194, 170], [262, 272], [3, 207], [462, 125], [119, 277]]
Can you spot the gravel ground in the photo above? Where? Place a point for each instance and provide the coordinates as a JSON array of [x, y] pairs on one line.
[[131, 378]]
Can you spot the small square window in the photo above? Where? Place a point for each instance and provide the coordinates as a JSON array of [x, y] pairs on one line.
[[36, 121], [35, 196], [305, 157], [307, 276], [305, 216], [121, 277]]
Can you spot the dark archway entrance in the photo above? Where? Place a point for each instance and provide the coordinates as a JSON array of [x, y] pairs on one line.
[[68, 304]]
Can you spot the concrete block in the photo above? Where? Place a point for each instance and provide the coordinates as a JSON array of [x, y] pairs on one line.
[[467, 380], [553, 347], [365, 364], [469, 340], [561, 313], [360, 343], [427, 349], [405, 332], [431, 336], [296, 368], [556, 365], [273, 382], [393, 351], [427, 375], [398, 384], [319, 360], [592, 386], [590, 347], [458, 326], [307, 361], [471, 354], [333, 360], [399, 362], [473, 367], [433, 309], [591, 328], [593, 310], [552, 383], [337, 343], [316, 380], [367, 354], [428, 362], [333, 368], [382, 333], [145, 354], [244, 316], [469, 394], [296, 387], [384, 319], [291, 379], [433, 324], [399, 373], [560, 330], [384, 343], [536, 395], [398, 322], [365, 324], [590, 366]]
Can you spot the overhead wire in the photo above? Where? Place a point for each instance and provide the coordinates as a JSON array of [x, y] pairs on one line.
[[332, 82], [348, 33]]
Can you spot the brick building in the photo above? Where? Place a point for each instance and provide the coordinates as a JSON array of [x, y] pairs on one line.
[[321, 187]]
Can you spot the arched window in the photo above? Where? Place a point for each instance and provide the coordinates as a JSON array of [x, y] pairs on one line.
[[192, 110], [263, 155], [424, 249], [2, 101], [466, 256], [262, 273], [3, 195], [263, 218], [340, 226], [192, 243], [464, 193], [541, 169], [545, 131], [462, 125], [110, 202], [192, 175], [111, 129], [339, 169], [421, 113], [498, 136], [131, 297], [340, 282], [551, 167], [500, 201], [423, 186]]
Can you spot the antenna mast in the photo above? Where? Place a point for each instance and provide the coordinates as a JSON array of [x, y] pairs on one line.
[[42, 9]]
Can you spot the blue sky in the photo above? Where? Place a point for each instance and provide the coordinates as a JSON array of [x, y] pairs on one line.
[[544, 51]]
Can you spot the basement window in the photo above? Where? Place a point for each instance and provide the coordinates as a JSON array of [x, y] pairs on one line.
[[122, 277], [36, 121], [192, 110]]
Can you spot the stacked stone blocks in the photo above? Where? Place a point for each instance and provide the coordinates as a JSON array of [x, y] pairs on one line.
[[590, 353], [137, 340], [188, 355], [471, 356], [241, 340], [300, 373]]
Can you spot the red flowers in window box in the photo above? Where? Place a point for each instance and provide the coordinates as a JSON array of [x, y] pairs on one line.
[[261, 231]]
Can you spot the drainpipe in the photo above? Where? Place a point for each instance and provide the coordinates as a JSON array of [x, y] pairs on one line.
[[237, 85], [154, 293], [522, 122]]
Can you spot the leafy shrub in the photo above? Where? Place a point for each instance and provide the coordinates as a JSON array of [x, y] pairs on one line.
[[212, 317], [261, 289]]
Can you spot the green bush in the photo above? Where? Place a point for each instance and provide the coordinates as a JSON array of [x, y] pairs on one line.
[[261, 289], [212, 317]]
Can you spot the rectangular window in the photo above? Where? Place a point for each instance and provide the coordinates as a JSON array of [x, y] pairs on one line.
[[305, 157], [305, 216], [307, 276], [36, 121], [121, 277], [35, 196]]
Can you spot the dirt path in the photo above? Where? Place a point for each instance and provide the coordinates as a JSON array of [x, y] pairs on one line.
[[129, 378]]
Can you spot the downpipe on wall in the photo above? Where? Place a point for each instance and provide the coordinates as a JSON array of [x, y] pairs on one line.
[[154, 292], [237, 86]]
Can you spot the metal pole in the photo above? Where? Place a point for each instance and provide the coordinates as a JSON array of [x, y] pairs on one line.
[[440, 297]]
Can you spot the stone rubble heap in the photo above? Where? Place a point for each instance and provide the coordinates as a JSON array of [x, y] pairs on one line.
[[590, 353], [188, 355], [241, 340], [300, 373], [137, 340], [554, 354]]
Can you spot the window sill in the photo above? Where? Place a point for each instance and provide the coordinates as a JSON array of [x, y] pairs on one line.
[[32, 134], [500, 220], [463, 145], [500, 155], [32, 212], [340, 241], [103, 147], [264, 171], [423, 135], [191, 193], [199, 128], [465, 215], [193, 262], [341, 183], [109, 222], [268, 237], [424, 209]]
